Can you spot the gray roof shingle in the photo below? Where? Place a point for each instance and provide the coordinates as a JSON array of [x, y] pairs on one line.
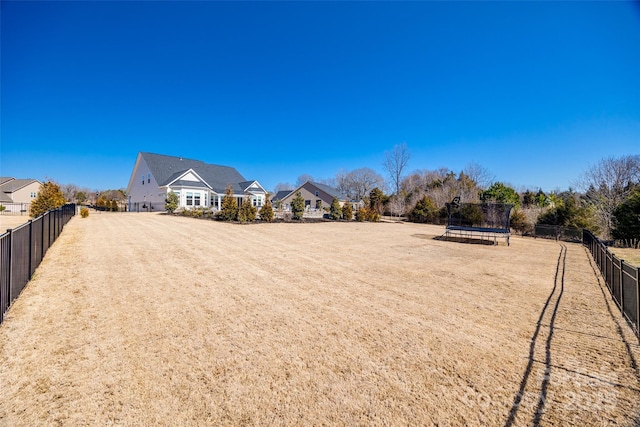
[[167, 168]]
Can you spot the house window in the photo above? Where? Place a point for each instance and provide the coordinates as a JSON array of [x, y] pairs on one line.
[[142, 179], [197, 199], [189, 199], [317, 193], [307, 203], [148, 178]]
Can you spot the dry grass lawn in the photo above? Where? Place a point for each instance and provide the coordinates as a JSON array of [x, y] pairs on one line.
[[11, 221], [146, 319]]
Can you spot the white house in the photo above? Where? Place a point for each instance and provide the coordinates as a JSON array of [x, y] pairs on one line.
[[196, 183]]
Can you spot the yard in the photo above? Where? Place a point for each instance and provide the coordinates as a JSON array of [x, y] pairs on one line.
[[147, 319]]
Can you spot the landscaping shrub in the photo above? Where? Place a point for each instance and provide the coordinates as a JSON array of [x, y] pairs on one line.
[[266, 211], [362, 214], [229, 210], [247, 212], [347, 211], [84, 212], [171, 202], [297, 206], [334, 211]]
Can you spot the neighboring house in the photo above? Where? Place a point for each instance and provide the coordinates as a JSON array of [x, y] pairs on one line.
[[16, 194], [196, 183], [315, 196]]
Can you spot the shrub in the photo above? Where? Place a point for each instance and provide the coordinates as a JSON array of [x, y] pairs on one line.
[[519, 221], [362, 214], [297, 206], [114, 206], [229, 209], [424, 211], [171, 202], [334, 211], [84, 212], [247, 212], [266, 211], [49, 197], [2, 208], [373, 215], [347, 211]]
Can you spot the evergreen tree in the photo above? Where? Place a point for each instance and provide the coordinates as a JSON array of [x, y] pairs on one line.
[[171, 202], [377, 200], [49, 197], [334, 211], [266, 211], [247, 212], [498, 192], [347, 211], [229, 209], [297, 206], [626, 219], [424, 211]]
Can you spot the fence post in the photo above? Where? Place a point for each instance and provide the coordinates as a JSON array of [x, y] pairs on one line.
[[638, 303], [621, 287], [30, 248], [10, 264]]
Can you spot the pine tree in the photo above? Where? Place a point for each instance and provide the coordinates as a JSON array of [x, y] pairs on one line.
[[297, 206], [229, 209], [334, 211], [49, 197]]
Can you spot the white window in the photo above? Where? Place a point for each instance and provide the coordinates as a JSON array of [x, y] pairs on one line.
[[148, 178], [197, 199], [189, 199], [142, 179]]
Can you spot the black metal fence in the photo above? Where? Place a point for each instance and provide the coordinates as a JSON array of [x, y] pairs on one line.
[[621, 279], [23, 248], [558, 232]]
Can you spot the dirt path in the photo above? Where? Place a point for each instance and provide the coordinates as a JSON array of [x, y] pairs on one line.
[[144, 319]]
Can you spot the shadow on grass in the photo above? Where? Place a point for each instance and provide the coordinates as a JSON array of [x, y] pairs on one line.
[[466, 240], [558, 283]]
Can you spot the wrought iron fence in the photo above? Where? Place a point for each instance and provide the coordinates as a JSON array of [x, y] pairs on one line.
[[23, 248], [621, 279], [558, 232]]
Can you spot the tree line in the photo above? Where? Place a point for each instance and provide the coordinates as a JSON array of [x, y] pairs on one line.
[[608, 205]]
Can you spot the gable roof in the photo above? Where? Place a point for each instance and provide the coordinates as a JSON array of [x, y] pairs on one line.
[[329, 190], [4, 179], [167, 168], [13, 185], [281, 194]]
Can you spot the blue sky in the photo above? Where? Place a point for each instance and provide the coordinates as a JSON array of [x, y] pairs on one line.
[[534, 92]]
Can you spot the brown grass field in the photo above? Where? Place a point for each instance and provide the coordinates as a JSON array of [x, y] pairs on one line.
[[147, 319]]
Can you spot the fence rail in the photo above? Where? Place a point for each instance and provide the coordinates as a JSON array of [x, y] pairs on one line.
[[621, 279], [23, 248]]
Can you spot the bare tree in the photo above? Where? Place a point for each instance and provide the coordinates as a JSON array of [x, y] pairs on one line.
[[395, 163], [303, 178], [358, 183], [283, 186], [69, 192], [398, 204], [479, 174], [608, 183]]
